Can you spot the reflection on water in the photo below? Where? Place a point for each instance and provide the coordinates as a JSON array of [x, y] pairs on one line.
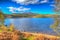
[[32, 24]]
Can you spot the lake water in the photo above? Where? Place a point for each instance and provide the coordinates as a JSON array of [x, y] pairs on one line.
[[41, 25]]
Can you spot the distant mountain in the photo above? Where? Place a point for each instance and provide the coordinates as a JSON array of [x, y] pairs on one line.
[[25, 13]]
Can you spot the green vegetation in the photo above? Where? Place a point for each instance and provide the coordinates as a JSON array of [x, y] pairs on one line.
[[22, 38], [29, 38], [1, 18], [0, 30]]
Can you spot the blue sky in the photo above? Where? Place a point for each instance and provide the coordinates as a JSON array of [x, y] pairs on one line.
[[21, 6]]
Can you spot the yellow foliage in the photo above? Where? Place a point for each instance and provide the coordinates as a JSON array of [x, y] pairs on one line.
[[4, 28], [11, 28]]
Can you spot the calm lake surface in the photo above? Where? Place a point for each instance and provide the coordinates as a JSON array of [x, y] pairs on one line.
[[41, 25]]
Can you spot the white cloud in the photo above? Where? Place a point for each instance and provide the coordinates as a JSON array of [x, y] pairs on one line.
[[11, 9], [18, 10], [44, 1], [26, 2], [52, 5]]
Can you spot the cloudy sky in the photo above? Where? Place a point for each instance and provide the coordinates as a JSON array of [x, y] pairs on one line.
[[21, 6]]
